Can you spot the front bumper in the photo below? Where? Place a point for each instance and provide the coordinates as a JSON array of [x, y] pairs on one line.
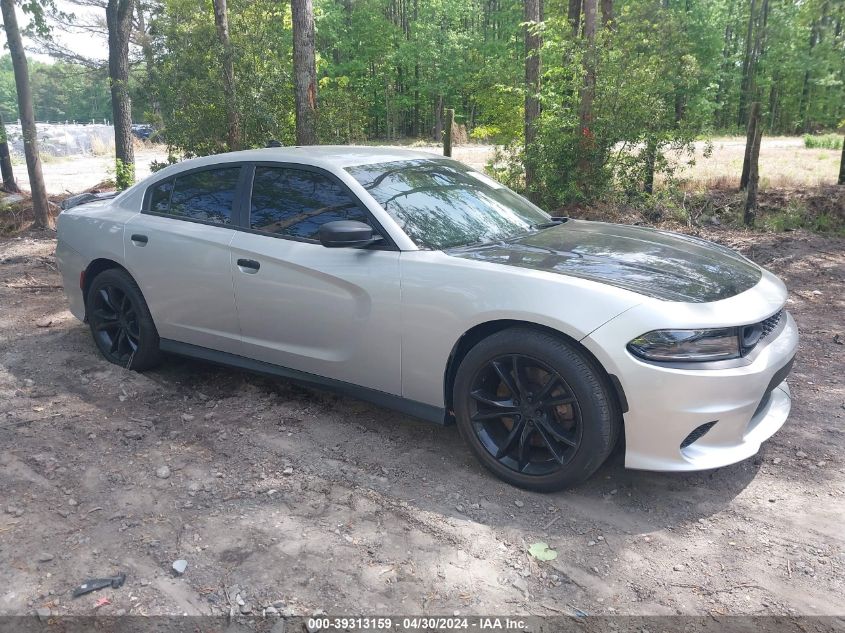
[[705, 453], [743, 406]]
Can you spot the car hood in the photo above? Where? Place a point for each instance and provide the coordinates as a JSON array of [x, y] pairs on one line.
[[658, 264]]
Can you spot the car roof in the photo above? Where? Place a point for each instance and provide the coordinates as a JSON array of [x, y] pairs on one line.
[[326, 156], [329, 157]]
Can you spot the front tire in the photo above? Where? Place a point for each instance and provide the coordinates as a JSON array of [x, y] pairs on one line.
[[120, 321], [534, 409]]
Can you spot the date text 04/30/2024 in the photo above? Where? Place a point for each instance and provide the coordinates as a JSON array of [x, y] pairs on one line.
[[415, 623]]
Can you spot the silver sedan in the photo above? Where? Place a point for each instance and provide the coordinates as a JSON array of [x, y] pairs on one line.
[[421, 284]]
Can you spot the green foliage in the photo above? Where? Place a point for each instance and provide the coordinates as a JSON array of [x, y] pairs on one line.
[[188, 84], [796, 215], [124, 174], [668, 73], [158, 165], [63, 92], [651, 96], [825, 141]]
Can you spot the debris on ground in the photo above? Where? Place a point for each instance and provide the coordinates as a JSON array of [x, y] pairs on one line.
[[541, 551], [94, 584]]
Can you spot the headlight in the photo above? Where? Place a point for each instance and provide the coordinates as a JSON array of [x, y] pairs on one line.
[[688, 345]]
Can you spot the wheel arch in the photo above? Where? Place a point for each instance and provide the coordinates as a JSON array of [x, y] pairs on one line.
[[478, 333], [94, 268]]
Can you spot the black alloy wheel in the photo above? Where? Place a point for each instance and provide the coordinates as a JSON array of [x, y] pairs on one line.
[[525, 414], [114, 321], [120, 321], [535, 408]]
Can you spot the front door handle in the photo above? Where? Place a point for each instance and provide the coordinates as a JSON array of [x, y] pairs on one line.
[[139, 240], [249, 266]]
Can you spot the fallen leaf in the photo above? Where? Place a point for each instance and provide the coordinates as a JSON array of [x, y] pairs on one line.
[[541, 551]]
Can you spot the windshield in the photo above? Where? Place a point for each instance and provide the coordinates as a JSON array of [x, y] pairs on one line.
[[441, 203]]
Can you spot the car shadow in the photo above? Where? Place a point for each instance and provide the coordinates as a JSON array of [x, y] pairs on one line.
[[303, 466], [638, 501]]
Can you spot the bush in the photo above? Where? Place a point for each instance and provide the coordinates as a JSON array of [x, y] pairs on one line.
[[124, 174], [823, 141]]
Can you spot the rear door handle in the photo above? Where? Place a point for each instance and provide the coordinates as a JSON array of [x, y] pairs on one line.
[[249, 266], [139, 240]]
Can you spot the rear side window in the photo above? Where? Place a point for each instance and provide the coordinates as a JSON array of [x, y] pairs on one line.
[[207, 195], [160, 197], [296, 202]]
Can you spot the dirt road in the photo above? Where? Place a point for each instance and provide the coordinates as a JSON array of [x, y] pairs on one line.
[[304, 500], [78, 173]]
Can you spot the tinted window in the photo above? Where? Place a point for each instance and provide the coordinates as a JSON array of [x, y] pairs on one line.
[[201, 195], [296, 202], [441, 203], [160, 198]]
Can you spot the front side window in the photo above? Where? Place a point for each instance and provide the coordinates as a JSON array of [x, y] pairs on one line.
[[207, 195], [440, 203], [296, 202]]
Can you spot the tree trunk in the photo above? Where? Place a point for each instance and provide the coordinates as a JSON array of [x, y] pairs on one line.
[[607, 13], [803, 103], [29, 133], [305, 72], [119, 23], [842, 165], [9, 184], [751, 135], [773, 104], [438, 119], [144, 40], [574, 15], [745, 84], [447, 133], [532, 18], [650, 162], [586, 140], [753, 171], [720, 118], [415, 128], [233, 120]]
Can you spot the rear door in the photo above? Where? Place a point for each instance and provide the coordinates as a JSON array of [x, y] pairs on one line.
[[177, 249], [333, 312]]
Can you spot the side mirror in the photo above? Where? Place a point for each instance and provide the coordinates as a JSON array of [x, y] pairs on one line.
[[347, 233]]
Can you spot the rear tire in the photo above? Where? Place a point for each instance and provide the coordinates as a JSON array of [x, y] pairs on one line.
[[120, 321], [535, 410]]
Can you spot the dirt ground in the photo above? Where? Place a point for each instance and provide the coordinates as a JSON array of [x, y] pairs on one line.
[[78, 173], [293, 500]]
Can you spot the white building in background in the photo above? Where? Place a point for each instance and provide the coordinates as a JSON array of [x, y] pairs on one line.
[[65, 139]]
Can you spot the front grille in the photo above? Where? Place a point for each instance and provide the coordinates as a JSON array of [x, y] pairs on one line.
[[752, 335], [771, 323], [697, 433]]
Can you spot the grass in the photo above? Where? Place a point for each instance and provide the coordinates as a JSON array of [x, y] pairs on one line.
[[797, 216], [823, 141], [785, 163]]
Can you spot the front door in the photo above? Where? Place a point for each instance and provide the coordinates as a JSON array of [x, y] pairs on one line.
[[333, 312]]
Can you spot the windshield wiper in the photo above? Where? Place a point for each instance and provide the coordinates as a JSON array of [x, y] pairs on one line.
[[555, 221]]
